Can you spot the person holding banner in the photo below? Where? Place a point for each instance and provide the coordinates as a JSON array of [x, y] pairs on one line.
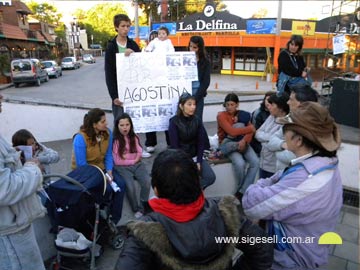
[[119, 44], [186, 132], [200, 86], [158, 43], [292, 67]]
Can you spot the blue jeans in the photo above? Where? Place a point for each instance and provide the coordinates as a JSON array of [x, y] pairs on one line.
[[132, 173], [20, 251], [265, 174], [207, 175], [244, 177], [118, 197], [116, 110], [200, 109]]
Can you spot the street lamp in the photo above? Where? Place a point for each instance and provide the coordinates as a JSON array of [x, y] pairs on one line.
[[75, 34], [92, 39]]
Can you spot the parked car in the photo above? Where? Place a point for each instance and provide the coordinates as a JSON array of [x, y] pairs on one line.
[[88, 58], [28, 71], [52, 68], [69, 63]]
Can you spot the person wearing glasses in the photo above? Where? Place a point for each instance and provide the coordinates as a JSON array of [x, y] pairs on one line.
[[292, 68], [305, 199]]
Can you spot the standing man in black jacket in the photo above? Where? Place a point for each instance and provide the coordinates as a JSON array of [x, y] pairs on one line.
[[185, 229], [120, 44]]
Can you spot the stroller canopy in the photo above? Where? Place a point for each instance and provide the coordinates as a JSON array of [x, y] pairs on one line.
[[91, 179]]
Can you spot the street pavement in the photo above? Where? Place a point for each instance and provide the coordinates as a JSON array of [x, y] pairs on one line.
[[343, 257]]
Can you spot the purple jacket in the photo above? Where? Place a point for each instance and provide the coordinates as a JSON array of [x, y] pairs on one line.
[[306, 201]]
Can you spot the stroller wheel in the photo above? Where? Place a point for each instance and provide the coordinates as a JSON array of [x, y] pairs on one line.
[[117, 241], [55, 265]]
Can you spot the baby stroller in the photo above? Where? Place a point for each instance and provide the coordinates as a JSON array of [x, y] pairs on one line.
[[79, 203]]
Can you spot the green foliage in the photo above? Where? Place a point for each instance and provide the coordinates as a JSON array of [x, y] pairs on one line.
[[4, 64], [44, 12], [98, 21], [177, 9]]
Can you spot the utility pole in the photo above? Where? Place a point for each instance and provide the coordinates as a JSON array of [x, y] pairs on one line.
[[278, 35], [136, 9]]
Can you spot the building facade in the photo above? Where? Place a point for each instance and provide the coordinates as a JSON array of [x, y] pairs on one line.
[[241, 46], [21, 39]]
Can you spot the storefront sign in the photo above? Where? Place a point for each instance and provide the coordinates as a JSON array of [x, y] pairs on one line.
[[143, 32], [209, 20], [303, 28], [261, 26]]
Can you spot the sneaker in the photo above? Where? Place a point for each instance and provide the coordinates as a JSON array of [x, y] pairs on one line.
[[145, 154], [150, 149], [138, 214]]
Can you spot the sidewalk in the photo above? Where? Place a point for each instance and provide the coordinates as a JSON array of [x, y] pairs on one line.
[[342, 257]]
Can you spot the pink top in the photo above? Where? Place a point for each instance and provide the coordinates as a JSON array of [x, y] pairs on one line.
[[129, 158]]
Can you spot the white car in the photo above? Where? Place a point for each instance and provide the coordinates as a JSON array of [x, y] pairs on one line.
[[88, 58], [69, 63]]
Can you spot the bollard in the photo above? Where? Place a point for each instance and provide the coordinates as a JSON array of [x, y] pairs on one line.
[[216, 85], [257, 85]]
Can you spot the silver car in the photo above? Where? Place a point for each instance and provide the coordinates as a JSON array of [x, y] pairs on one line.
[[52, 68], [88, 58], [28, 71], [69, 63]]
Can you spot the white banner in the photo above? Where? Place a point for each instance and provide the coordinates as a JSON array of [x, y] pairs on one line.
[[339, 44], [150, 85]]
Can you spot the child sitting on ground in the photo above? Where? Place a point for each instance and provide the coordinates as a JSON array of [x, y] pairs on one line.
[[40, 152], [127, 160]]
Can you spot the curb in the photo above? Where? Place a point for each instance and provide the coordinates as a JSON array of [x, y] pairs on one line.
[[241, 93], [5, 86]]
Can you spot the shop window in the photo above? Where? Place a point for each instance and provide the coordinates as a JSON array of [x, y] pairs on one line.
[[312, 61], [226, 58], [250, 59]]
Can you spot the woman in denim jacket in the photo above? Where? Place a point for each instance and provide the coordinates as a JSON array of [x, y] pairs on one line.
[[19, 207]]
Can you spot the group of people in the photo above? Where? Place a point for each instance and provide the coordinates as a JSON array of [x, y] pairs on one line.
[[299, 192]]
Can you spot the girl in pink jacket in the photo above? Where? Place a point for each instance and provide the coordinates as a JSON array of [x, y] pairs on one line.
[[127, 160]]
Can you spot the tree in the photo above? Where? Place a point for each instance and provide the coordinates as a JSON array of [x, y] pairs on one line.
[[98, 21], [177, 9], [45, 12], [261, 13]]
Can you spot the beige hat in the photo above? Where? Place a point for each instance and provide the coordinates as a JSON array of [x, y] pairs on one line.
[[314, 122]]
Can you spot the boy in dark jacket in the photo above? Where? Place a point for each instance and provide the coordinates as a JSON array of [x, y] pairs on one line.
[[187, 230], [120, 44]]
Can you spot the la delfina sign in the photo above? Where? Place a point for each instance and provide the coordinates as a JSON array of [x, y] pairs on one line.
[[209, 20]]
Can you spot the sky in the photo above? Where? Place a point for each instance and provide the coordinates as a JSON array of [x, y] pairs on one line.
[[243, 8]]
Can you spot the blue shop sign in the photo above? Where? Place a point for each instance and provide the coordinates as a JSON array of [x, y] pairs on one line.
[[261, 26], [171, 26], [143, 32]]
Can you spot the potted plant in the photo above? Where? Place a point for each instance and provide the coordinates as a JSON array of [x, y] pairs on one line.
[[4, 69]]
